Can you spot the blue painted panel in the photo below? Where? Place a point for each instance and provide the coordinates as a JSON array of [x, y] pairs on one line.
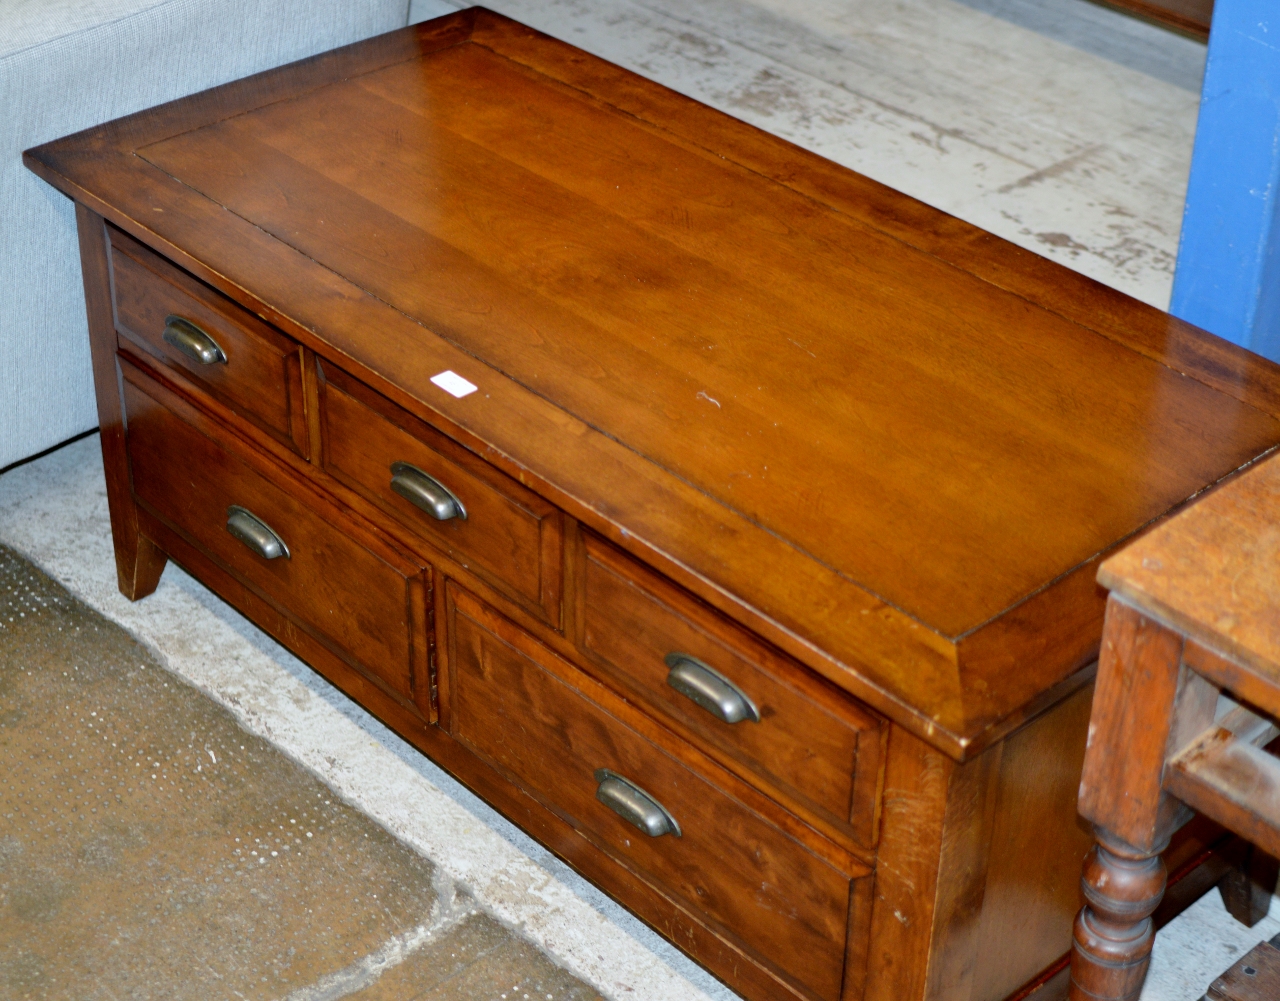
[[1228, 269]]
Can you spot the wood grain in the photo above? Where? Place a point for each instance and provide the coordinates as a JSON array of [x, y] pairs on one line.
[[931, 872], [1037, 844], [720, 953], [358, 597], [807, 742], [262, 377], [524, 710], [1140, 675], [139, 563], [1210, 571], [860, 457], [511, 537], [1236, 783], [678, 257], [1192, 612], [952, 429]]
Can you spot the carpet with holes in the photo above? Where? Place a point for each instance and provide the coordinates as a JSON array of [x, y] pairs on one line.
[[150, 848]]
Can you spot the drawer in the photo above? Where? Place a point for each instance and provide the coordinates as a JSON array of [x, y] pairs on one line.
[[253, 369], [506, 535], [367, 603], [528, 712], [813, 744]]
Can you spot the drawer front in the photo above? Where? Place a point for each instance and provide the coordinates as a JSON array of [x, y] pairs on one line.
[[510, 537], [522, 708], [259, 372], [370, 608], [812, 745]]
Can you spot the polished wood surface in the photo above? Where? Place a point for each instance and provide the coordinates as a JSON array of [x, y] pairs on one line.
[[511, 536], [723, 361], [1211, 571], [1192, 617], [523, 709], [1035, 823], [261, 378], [139, 562], [828, 756], [1190, 17], [364, 600]]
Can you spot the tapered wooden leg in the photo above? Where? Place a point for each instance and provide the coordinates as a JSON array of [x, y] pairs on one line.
[[1247, 887], [1114, 932], [139, 562], [140, 575]]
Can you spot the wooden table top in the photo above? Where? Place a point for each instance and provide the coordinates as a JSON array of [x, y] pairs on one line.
[[890, 442], [1213, 570]]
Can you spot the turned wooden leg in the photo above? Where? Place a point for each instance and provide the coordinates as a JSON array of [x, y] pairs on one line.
[[1145, 702], [139, 562], [1113, 931]]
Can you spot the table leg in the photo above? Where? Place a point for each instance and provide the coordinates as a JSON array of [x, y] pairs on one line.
[[139, 563], [1114, 932], [1145, 701]]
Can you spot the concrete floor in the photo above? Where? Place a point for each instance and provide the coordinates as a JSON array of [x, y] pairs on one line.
[[151, 848]]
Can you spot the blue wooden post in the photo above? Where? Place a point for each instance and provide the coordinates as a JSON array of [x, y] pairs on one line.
[[1228, 273]]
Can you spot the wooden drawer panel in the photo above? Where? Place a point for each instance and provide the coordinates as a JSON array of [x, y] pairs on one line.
[[261, 379], [521, 707], [366, 602], [813, 744], [510, 538]]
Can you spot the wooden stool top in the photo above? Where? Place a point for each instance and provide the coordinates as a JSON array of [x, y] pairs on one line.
[[1194, 615], [1213, 572]]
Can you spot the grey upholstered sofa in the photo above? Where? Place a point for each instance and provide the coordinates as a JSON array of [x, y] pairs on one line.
[[69, 64]]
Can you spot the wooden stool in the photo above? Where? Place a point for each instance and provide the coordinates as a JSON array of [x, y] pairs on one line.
[[1188, 689]]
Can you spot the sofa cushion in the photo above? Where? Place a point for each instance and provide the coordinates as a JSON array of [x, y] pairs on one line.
[[66, 65]]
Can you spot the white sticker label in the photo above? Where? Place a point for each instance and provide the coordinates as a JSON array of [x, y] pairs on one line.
[[453, 384]]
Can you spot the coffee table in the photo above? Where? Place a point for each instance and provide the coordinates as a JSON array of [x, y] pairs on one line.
[[728, 520]]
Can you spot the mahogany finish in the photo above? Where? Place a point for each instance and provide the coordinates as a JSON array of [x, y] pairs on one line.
[[261, 377], [1188, 17], [545, 724], [364, 600], [826, 755], [1254, 977], [857, 458], [511, 537], [1194, 614]]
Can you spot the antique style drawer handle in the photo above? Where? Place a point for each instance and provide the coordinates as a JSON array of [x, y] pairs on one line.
[[634, 805], [255, 533], [710, 689], [425, 491], [192, 341]]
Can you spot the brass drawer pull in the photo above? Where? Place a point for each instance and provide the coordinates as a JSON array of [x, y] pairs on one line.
[[425, 491], [710, 689], [192, 341], [255, 533], [634, 805]]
